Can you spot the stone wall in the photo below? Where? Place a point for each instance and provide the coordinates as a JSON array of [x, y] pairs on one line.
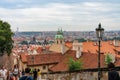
[[77, 75]]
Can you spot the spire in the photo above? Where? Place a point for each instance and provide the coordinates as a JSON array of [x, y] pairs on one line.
[[60, 32]]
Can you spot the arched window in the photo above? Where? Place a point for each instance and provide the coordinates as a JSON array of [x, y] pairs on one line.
[[61, 41]]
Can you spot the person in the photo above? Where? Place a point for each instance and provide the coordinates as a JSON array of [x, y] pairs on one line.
[[27, 75], [3, 73], [8, 75], [112, 73], [38, 74], [35, 74], [16, 72], [11, 76], [20, 73], [23, 72]]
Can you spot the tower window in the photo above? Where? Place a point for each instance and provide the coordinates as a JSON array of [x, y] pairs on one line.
[[61, 42]]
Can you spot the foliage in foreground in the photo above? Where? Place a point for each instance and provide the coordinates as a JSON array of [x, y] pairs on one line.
[[6, 42], [74, 65], [108, 58]]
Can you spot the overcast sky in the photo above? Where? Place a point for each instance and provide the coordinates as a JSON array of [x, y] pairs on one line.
[[70, 15]]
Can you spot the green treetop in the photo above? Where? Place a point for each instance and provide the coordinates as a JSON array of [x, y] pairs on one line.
[[6, 42], [74, 65]]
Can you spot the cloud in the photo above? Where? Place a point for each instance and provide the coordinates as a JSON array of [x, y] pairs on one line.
[[17, 1], [76, 16]]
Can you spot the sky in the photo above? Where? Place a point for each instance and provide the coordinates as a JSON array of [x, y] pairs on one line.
[[70, 15]]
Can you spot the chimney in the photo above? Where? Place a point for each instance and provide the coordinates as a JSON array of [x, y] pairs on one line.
[[62, 48], [79, 50], [116, 43], [75, 44]]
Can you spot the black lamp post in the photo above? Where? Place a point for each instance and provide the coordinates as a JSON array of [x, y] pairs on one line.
[[99, 33]]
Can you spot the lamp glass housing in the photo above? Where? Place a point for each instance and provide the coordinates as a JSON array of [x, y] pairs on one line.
[[99, 32]]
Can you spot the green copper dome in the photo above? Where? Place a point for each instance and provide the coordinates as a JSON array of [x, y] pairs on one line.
[[59, 36]]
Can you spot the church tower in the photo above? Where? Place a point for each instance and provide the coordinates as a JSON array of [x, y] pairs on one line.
[[59, 38], [59, 45]]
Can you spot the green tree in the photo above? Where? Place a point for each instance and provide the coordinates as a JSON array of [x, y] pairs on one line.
[[74, 65], [6, 42], [108, 59]]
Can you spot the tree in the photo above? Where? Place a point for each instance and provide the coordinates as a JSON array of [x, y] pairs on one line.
[[74, 65], [108, 59], [6, 42]]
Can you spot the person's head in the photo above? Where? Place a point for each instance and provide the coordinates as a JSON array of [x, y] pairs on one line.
[[3, 67], [111, 65], [38, 70], [27, 70], [15, 66], [35, 69]]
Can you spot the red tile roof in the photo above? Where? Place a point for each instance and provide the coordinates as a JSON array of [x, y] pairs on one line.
[[49, 58], [89, 56], [89, 47], [39, 49], [106, 47], [68, 44], [91, 60], [88, 60], [23, 57], [63, 64]]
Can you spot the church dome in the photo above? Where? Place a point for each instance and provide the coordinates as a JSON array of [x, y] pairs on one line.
[[59, 34], [59, 37]]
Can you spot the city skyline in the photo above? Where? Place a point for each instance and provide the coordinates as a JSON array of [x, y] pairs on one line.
[[49, 15]]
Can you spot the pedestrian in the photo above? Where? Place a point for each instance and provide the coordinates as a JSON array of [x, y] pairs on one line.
[[112, 73], [20, 73], [35, 74], [38, 74], [16, 72], [3, 73], [23, 72], [27, 75]]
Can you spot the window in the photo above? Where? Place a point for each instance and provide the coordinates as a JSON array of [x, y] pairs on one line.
[[44, 67], [61, 42]]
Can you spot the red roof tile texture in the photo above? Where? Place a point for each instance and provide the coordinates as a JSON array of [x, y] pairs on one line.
[[88, 60], [89, 56], [63, 65], [50, 58], [106, 47], [23, 57], [68, 44]]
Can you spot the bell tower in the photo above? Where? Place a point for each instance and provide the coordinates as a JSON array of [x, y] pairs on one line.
[[59, 44], [59, 38]]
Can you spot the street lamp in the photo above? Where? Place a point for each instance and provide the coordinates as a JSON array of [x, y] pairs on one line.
[[99, 34]]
